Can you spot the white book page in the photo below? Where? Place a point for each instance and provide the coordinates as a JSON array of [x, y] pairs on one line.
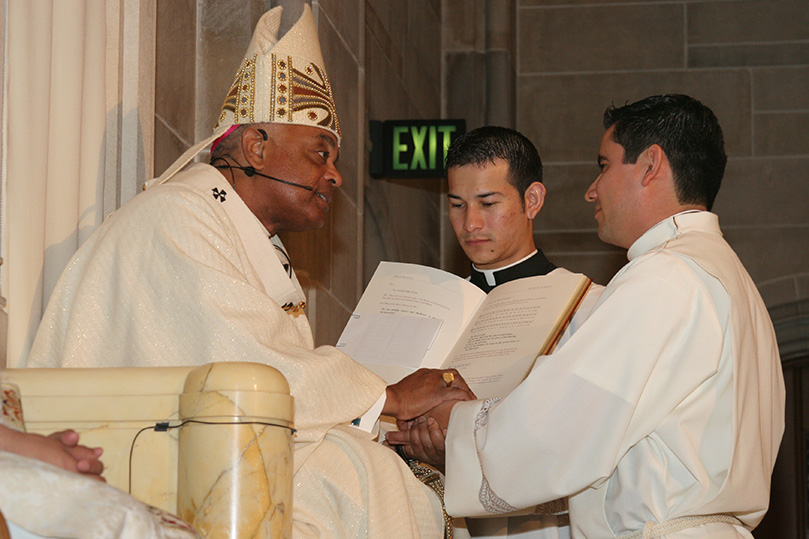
[[504, 337], [390, 345], [410, 290]]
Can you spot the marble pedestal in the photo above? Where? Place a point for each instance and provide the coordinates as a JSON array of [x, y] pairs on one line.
[[235, 452]]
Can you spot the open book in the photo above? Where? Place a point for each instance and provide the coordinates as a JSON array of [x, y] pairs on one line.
[[413, 316]]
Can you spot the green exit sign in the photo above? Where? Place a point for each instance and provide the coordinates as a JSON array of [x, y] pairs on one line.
[[412, 148]]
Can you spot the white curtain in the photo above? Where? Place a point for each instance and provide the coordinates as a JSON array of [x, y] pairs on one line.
[[65, 106]]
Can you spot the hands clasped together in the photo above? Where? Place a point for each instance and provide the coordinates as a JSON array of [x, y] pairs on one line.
[[422, 403], [61, 449]]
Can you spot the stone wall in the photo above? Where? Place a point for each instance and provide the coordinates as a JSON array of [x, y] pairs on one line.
[[384, 61], [748, 60], [403, 81], [479, 82]]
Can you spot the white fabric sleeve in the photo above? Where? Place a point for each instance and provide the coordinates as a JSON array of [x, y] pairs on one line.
[[47, 501], [464, 466], [369, 420], [581, 409]]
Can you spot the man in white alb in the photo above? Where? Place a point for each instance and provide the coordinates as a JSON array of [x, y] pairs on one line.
[[662, 415]]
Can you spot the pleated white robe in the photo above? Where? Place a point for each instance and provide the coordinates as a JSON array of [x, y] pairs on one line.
[[667, 402], [184, 274]]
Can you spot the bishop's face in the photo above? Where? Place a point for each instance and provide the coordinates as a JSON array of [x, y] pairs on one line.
[[488, 215], [303, 155]]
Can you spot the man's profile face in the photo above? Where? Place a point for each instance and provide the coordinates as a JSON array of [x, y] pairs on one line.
[[613, 193], [488, 216], [304, 155]]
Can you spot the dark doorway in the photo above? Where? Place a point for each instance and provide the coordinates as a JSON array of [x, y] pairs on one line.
[[788, 514]]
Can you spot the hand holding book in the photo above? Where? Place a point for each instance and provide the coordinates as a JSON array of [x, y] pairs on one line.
[[414, 316]]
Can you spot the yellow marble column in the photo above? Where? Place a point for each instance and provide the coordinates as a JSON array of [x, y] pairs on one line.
[[235, 453]]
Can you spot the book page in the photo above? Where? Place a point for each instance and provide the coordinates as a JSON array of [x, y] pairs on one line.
[[391, 345], [514, 324], [410, 290]]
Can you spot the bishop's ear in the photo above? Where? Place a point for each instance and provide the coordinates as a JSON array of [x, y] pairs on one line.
[[534, 199], [253, 146]]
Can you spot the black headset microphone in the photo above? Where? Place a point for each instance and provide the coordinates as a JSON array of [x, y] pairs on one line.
[[250, 171]]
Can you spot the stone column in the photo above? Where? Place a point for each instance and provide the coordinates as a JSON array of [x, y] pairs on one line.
[[235, 453]]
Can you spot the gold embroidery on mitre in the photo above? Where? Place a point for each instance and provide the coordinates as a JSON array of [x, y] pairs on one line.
[[308, 92], [240, 100]]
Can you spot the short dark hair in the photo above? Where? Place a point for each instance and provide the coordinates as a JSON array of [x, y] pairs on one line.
[[483, 145], [689, 134], [229, 144]]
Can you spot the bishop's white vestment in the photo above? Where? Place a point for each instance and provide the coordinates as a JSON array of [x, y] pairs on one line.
[[184, 274], [667, 402]]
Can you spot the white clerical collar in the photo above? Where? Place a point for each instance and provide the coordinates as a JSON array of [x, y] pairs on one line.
[[670, 227], [489, 273]]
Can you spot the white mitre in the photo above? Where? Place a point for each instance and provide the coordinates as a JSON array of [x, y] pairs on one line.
[[279, 81]]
